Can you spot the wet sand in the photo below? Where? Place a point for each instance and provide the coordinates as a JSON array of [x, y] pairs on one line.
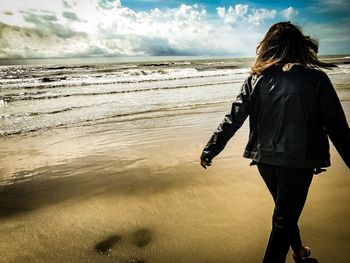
[[98, 194]]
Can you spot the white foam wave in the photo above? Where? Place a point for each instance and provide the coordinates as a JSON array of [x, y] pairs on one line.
[[3, 103], [342, 69], [126, 76]]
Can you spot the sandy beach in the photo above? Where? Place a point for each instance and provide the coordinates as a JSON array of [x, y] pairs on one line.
[[133, 191]]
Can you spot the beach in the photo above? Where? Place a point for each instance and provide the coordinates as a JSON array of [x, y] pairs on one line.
[[100, 163]]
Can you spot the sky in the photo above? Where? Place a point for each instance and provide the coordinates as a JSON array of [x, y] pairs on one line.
[[115, 28]]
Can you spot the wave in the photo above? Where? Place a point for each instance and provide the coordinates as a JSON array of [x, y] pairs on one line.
[[28, 114], [38, 94], [3, 102], [122, 117], [110, 76], [343, 69], [129, 76]]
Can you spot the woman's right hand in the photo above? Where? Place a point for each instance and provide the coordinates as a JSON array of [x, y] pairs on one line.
[[205, 164]]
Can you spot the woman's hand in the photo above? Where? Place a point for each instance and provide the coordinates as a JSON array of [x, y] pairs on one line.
[[205, 164]]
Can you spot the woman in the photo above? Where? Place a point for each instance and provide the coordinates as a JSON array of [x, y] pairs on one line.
[[292, 108]]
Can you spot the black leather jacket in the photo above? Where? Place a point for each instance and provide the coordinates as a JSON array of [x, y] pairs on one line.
[[290, 115]]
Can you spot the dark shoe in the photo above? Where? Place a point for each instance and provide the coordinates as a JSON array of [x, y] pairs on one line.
[[307, 260], [305, 252]]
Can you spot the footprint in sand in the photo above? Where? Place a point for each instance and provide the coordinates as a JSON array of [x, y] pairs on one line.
[[107, 244], [135, 261], [142, 237]]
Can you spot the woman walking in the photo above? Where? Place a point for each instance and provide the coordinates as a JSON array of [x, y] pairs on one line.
[[292, 108]]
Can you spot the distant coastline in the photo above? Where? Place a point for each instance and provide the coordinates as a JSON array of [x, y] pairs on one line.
[[104, 60], [338, 58]]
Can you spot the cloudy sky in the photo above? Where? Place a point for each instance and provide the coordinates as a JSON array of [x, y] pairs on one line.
[[94, 28]]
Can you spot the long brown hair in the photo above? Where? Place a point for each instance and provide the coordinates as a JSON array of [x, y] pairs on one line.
[[285, 43]]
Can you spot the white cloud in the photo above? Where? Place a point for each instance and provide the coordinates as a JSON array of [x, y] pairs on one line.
[[242, 14], [259, 15], [221, 11], [289, 13], [232, 15], [53, 28], [241, 10]]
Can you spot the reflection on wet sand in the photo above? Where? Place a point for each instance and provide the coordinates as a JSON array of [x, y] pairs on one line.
[[80, 179]]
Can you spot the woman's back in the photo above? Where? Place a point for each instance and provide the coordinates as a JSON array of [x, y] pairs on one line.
[[287, 118], [290, 114]]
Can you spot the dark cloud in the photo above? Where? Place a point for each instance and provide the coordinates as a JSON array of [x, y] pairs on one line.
[[8, 29], [159, 47], [8, 13], [70, 16], [49, 17], [94, 51], [40, 16], [65, 4], [48, 26], [3, 42], [9, 36], [35, 43], [107, 4]]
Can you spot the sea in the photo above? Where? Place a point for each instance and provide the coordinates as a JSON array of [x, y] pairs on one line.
[[46, 94]]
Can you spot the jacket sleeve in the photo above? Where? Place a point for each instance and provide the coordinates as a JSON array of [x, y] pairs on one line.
[[334, 119], [230, 124]]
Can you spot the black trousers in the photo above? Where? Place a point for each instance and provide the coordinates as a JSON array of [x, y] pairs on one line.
[[289, 188]]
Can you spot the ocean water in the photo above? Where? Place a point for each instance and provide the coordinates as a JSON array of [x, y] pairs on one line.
[[37, 97], [46, 96]]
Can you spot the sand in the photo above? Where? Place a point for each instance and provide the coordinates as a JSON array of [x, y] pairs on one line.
[[97, 194]]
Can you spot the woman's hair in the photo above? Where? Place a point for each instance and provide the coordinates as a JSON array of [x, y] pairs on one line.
[[285, 43]]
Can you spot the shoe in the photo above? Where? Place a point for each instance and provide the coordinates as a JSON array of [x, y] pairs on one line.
[[305, 252], [307, 260]]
